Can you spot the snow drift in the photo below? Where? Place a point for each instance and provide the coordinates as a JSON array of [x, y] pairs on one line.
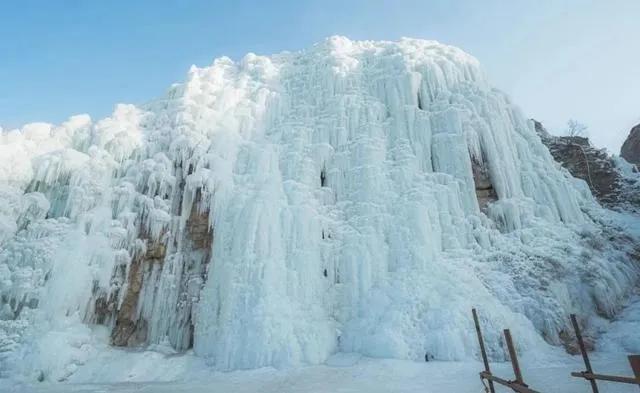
[[356, 196]]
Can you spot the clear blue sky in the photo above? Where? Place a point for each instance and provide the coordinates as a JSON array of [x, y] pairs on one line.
[[557, 59]]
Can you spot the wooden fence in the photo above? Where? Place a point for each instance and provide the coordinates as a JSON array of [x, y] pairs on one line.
[[518, 384]]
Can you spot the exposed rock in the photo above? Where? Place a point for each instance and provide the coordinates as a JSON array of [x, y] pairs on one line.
[[570, 342], [631, 147], [199, 230], [484, 188], [585, 162], [131, 327], [197, 243], [105, 304], [130, 330], [126, 323], [104, 308], [544, 134]]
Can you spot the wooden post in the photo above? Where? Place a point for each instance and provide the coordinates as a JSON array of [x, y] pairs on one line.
[[485, 359], [634, 361], [514, 357], [583, 350]]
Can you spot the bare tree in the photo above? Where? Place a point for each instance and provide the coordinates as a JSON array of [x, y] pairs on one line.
[[575, 128]]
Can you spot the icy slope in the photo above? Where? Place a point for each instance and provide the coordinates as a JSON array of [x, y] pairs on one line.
[[357, 196]]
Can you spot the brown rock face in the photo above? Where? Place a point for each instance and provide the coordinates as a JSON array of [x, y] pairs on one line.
[[186, 256], [130, 330], [585, 162], [199, 231], [631, 148], [484, 188]]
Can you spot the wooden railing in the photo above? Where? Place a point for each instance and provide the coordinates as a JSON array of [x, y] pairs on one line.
[[592, 377], [518, 384]]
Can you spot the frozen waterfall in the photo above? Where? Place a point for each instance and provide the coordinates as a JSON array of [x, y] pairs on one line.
[[355, 196]]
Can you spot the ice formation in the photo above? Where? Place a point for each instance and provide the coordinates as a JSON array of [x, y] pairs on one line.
[[355, 197]]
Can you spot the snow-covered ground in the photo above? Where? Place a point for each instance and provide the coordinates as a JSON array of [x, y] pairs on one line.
[[161, 370], [146, 373]]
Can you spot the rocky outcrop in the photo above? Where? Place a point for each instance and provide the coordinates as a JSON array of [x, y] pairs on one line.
[[611, 185], [585, 162], [189, 260], [156, 285], [631, 147], [129, 331]]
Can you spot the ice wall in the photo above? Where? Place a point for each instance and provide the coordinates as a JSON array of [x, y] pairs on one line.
[[275, 210]]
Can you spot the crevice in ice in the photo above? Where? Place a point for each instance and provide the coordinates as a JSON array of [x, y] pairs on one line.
[[485, 192], [323, 177]]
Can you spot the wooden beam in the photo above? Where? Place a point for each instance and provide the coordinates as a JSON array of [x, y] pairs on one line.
[[513, 355], [601, 377], [634, 361], [583, 351], [513, 385], [483, 351]]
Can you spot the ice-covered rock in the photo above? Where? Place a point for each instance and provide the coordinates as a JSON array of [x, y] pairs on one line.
[[355, 196], [631, 147]]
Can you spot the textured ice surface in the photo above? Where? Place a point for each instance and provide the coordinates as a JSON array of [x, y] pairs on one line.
[[338, 187]]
